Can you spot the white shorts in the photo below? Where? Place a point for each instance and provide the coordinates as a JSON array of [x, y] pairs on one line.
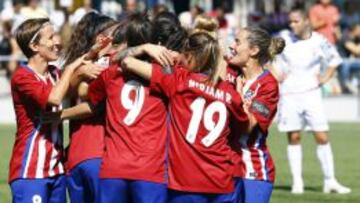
[[302, 110]]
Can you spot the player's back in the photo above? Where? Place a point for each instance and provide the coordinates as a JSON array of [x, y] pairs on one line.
[[135, 127], [199, 157]]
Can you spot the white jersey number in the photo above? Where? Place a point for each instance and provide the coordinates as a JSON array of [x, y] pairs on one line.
[[134, 106], [199, 112]]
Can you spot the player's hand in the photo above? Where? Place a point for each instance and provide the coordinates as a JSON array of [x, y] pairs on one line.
[[77, 63], [321, 80], [90, 71], [160, 54], [247, 105], [97, 47]]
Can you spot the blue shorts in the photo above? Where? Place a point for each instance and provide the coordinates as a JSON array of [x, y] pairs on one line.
[[44, 190], [249, 191], [134, 191], [193, 197], [83, 181]]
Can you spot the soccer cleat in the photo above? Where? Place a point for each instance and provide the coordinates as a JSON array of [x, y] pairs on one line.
[[297, 188], [336, 187]]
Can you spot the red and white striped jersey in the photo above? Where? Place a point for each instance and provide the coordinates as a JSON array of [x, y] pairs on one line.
[[251, 156], [37, 151]]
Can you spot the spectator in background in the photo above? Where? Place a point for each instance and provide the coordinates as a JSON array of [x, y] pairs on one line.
[[80, 12], [131, 7], [324, 18], [9, 47], [12, 13], [33, 10], [350, 47], [219, 14], [151, 3], [349, 16], [159, 8], [187, 18], [279, 19]]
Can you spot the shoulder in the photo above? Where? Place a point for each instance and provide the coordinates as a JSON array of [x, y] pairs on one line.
[[269, 82], [317, 36], [288, 36], [20, 74], [319, 40]]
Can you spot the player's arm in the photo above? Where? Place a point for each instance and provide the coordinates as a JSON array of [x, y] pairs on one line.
[[158, 53], [83, 90], [59, 91], [332, 59], [246, 104], [79, 111], [262, 108], [139, 67], [329, 73], [95, 93], [143, 68], [252, 119], [88, 71], [83, 73]]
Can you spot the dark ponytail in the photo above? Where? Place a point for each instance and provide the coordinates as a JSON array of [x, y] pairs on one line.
[[168, 31]]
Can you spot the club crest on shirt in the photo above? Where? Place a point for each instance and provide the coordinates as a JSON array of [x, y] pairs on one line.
[[250, 94]]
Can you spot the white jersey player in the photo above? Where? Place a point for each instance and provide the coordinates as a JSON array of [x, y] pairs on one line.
[[299, 71]]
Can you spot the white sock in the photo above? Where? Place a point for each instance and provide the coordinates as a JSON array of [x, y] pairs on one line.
[[326, 159], [295, 161]]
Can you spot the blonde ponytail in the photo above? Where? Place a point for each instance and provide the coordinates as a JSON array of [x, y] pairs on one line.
[[277, 45]]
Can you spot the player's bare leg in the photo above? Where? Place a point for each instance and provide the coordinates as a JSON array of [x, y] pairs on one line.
[[294, 152], [325, 156]]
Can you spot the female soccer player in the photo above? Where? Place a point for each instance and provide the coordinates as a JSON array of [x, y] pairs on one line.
[[254, 169], [36, 168], [87, 135], [199, 109], [301, 102]]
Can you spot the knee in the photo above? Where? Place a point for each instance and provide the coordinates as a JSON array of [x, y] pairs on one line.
[[294, 138], [321, 138]]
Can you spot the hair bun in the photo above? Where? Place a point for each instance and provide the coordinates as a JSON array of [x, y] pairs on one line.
[[277, 45], [206, 24]]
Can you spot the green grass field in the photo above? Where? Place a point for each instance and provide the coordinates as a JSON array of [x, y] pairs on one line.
[[345, 140]]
